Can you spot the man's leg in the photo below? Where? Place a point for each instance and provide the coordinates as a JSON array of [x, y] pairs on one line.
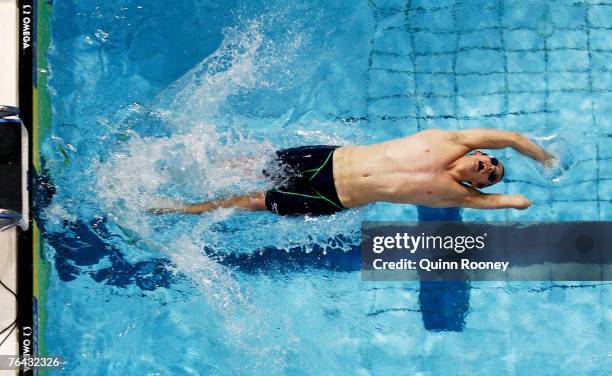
[[253, 201]]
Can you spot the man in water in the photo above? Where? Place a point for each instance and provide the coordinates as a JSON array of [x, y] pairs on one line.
[[433, 168]]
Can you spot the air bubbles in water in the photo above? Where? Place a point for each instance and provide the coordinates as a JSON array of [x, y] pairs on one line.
[[101, 36]]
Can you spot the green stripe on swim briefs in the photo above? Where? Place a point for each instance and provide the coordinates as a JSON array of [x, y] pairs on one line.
[[319, 197], [326, 199], [295, 194], [323, 165]]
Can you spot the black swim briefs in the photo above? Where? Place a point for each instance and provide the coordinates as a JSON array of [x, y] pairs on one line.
[[304, 182]]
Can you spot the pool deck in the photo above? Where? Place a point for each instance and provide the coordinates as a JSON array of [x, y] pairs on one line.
[[8, 239]]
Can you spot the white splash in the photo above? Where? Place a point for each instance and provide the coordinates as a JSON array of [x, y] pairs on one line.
[[240, 64]]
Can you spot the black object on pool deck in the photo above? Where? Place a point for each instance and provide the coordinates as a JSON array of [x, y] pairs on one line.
[[10, 165], [8, 111]]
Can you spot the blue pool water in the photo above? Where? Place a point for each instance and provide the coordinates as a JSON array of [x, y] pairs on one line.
[[150, 99]]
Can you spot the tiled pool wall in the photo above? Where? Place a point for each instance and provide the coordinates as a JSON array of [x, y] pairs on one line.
[[42, 125], [539, 67]]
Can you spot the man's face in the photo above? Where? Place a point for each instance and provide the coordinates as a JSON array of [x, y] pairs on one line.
[[483, 169]]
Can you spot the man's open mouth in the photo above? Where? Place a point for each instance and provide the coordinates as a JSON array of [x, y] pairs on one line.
[[481, 165]]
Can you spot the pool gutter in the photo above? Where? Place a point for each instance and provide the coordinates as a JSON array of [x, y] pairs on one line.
[[9, 238], [41, 124], [24, 37]]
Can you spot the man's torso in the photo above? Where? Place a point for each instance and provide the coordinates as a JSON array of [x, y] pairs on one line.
[[412, 170]]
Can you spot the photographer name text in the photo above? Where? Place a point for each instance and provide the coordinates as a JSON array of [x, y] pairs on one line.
[[414, 243], [431, 265]]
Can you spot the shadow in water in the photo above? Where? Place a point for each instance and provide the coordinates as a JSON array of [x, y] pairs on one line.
[[271, 259], [84, 244], [444, 303]]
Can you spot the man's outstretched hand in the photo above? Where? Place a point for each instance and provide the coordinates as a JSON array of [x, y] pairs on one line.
[[519, 202], [548, 160]]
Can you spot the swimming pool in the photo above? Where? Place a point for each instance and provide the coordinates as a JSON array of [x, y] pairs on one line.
[[149, 100]]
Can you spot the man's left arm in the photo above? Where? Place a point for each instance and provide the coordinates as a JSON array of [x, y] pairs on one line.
[[498, 139], [473, 198]]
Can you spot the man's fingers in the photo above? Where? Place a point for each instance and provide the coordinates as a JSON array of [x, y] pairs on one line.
[[520, 202], [550, 162]]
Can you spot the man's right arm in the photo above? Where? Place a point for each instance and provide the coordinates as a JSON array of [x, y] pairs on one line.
[[497, 139], [527, 147]]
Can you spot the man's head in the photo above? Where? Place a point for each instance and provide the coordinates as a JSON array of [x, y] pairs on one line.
[[481, 170]]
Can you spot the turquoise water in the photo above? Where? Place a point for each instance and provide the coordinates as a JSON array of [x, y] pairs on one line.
[[150, 100]]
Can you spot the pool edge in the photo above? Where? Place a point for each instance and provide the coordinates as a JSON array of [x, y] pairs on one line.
[[41, 124]]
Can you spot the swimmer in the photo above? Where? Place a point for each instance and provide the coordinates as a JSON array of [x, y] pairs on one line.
[[432, 168]]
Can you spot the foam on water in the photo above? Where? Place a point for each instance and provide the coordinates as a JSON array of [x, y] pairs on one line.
[[189, 144], [565, 158], [246, 60], [248, 330], [197, 165], [201, 161], [199, 156]]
